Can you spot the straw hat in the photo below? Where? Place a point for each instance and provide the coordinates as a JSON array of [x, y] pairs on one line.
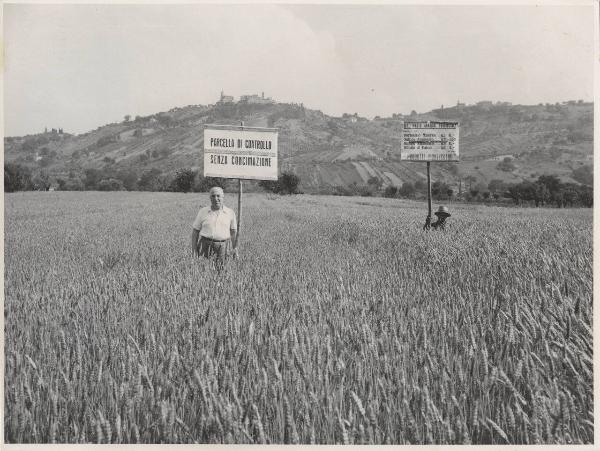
[[442, 211]]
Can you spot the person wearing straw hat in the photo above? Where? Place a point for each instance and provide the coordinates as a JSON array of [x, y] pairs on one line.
[[214, 231], [442, 214]]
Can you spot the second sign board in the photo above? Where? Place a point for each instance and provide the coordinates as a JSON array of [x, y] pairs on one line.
[[429, 141]]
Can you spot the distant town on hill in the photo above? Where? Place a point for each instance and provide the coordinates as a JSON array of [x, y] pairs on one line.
[[499, 142]]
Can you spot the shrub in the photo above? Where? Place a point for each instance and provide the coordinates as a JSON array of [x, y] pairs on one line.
[[506, 165], [105, 140], [16, 177], [183, 181], [390, 191], [286, 184], [149, 180], [110, 185], [407, 190]]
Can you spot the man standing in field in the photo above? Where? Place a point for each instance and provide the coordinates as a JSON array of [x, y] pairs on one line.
[[214, 231], [442, 214]]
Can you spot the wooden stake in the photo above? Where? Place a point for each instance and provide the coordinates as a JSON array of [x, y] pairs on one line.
[[429, 189], [240, 192], [239, 218]]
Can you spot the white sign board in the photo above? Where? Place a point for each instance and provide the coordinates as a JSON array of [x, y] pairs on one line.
[[238, 152], [429, 141]]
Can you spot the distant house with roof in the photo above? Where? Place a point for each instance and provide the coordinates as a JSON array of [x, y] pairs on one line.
[[353, 117]]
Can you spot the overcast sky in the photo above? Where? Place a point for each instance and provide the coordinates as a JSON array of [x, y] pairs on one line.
[[82, 66]]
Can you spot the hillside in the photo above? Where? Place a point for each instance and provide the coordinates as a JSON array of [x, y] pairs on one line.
[[325, 150]]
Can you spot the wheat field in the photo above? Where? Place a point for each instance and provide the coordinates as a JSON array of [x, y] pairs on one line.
[[341, 322]]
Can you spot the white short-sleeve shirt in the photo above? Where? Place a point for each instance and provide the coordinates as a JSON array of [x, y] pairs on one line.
[[215, 224]]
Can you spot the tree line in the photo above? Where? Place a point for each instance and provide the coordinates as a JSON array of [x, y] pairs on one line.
[[20, 178], [547, 190]]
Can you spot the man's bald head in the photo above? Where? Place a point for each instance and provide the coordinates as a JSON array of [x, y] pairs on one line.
[[216, 189]]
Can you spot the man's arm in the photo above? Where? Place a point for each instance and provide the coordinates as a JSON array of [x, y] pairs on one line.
[[427, 223], [195, 234], [233, 237], [233, 226]]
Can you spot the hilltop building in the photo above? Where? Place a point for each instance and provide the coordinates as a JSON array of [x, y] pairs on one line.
[[251, 98], [256, 99], [225, 99], [353, 117]]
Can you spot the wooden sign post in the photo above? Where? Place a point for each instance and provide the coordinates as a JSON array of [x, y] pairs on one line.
[[428, 220], [239, 218], [429, 141], [240, 192]]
